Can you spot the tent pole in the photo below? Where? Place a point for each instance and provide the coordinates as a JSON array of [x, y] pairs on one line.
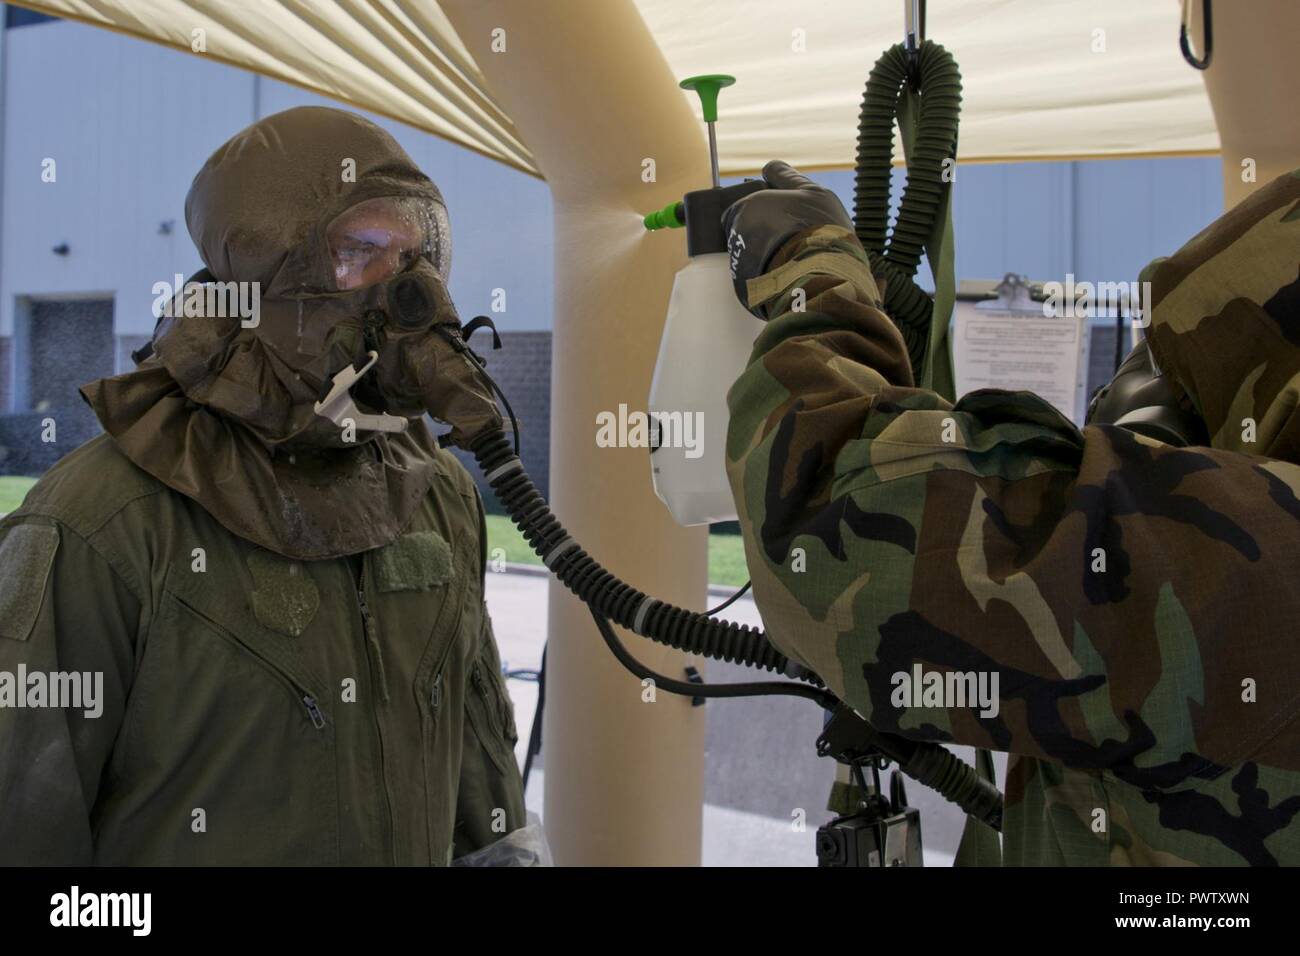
[[594, 100]]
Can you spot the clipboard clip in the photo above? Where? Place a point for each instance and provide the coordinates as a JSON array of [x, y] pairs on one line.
[[1015, 293]]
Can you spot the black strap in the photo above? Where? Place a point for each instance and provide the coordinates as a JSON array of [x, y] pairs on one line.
[[478, 322]]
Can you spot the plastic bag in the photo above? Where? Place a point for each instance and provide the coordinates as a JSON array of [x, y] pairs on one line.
[[523, 847]]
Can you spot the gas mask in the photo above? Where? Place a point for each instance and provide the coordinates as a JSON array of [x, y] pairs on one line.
[[1143, 400], [356, 334], [385, 344]]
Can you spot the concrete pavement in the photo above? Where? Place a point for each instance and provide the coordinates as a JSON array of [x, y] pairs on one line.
[[762, 772]]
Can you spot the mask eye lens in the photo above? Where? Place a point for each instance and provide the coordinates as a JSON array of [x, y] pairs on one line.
[[376, 239]]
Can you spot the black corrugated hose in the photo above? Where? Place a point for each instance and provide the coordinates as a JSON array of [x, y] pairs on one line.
[[611, 599], [608, 596], [896, 256]]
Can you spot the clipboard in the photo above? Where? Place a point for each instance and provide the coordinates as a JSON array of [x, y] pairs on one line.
[[1005, 336]]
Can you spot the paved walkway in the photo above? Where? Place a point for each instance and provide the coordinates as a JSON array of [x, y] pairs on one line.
[[732, 837], [760, 761]]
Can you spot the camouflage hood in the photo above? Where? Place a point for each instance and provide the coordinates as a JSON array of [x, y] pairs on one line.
[[1225, 322]]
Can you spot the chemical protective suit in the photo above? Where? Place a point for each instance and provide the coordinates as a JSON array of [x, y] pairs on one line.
[[287, 612], [1136, 600]]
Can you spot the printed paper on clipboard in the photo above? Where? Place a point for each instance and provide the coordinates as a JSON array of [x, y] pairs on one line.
[[1007, 342]]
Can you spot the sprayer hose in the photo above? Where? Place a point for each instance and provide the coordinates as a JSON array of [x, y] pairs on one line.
[[896, 257]]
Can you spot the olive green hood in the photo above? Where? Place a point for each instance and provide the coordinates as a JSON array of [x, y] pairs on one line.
[[223, 411]]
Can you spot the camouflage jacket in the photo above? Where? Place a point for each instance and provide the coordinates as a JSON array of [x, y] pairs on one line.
[[1135, 601]]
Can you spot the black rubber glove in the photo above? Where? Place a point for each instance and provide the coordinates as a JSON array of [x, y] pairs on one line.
[[758, 225]]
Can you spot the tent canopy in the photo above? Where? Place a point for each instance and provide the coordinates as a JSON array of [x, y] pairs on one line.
[[1042, 79]]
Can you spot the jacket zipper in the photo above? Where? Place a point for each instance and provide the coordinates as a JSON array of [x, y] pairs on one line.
[[492, 717], [431, 707], [314, 712], [492, 703], [435, 695], [368, 633], [303, 695], [480, 685]]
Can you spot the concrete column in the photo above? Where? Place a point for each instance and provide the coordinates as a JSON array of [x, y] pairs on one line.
[[593, 99], [1253, 81]]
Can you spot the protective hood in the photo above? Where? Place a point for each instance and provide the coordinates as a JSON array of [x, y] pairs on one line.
[[260, 207], [224, 410], [1225, 322]]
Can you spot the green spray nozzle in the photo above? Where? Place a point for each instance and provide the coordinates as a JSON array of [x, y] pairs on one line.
[[707, 87], [672, 216]]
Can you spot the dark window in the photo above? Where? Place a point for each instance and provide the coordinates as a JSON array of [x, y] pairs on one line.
[[70, 343]]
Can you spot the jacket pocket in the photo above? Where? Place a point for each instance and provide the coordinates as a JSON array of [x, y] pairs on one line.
[[490, 799], [225, 758], [490, 711], [301, 693]]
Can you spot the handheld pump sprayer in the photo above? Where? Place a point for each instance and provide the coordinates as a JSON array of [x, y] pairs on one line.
[[703, 309], [704, 318]]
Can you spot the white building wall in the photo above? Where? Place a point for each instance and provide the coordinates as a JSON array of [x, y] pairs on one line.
[[127, 124]]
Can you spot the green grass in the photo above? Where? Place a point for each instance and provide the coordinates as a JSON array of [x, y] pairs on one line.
[[12, 490], [727, 560], [726, 553]]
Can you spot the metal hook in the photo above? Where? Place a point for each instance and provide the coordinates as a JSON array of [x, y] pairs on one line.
[[1183, 43], [913, 37], [913, 24]]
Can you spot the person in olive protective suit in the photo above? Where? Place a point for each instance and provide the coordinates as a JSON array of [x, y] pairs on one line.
[[278, 573], [1134, 594]]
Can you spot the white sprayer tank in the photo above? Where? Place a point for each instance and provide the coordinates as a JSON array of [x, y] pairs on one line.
[[705, 346]]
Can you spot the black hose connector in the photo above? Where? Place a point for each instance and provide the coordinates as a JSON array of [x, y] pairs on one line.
[[896, 256], [954, 778]]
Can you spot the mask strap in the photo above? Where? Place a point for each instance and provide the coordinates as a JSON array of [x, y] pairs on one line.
[[479, 322]]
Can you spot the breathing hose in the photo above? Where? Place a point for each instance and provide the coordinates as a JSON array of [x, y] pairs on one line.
[[606, 594], [611, 599], [896, 257]]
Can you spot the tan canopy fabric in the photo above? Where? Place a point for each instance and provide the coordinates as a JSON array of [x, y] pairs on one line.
[[397, 58], [1043, 79]]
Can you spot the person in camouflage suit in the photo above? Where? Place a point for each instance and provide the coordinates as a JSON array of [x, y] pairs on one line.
[[1136, 600]]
